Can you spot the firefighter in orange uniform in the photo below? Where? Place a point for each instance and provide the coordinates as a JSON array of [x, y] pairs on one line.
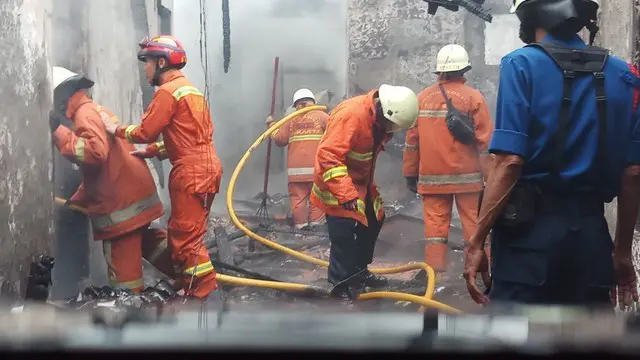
[[302, 135], [180, 113], [344, 187], [437, 165], [117, 190]]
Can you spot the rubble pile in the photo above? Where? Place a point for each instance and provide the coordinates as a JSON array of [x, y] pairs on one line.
[[105, 296]]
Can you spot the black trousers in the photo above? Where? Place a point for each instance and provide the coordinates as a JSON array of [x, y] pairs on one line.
[[352, 247], [562, 258]]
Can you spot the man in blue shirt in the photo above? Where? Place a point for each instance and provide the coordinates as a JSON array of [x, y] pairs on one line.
[[566, 141]]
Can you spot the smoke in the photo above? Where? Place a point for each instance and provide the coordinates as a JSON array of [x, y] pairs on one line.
[[309, 36]]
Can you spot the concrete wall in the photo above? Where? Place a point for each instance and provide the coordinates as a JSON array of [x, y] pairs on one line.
[[95, 38], [26, 206]]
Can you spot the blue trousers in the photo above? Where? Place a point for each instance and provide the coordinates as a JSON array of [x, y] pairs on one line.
[[563, 257]]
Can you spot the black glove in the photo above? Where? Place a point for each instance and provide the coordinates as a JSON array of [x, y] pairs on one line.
[[55, 119], [412, 183]]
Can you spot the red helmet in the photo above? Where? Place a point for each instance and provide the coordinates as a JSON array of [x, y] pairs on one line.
[[163, 46]]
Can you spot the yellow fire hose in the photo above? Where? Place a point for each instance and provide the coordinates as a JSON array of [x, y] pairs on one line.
[[425, 300]]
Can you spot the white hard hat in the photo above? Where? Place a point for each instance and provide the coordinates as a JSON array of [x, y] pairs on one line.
[[62, 76], [517, 3], [303, 94], [452, 57], [399, 105]]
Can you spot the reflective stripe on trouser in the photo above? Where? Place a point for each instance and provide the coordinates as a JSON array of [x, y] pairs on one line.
[[187, 227], [102, 222], [304, 212], [454, 179], [437, 220], [299, 171], [124, 260]]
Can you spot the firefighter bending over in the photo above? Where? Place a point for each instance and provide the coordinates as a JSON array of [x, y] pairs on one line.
[[444, 161], [344, 187], [180, 113], [117, 189], [567, 140], [302, 135]]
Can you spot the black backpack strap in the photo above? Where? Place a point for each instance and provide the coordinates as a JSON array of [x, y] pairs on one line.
[[573, 63]]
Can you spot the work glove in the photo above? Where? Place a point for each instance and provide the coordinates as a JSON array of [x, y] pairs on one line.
[[351, 205], [412, 183], [55, 119]]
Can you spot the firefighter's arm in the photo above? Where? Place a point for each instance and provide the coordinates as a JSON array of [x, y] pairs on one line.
[[505, 172], [509, 145], [281, 136], [79, 197], [155, 119], [86, 145], [411, 153], [484, 129], [331, 156]]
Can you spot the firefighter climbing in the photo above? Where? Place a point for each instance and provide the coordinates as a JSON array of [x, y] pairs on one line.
[[445, 156], [121, 212], [302, 136], [180, 113]]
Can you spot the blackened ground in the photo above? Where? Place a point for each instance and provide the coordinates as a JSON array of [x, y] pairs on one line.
[[401, 241]]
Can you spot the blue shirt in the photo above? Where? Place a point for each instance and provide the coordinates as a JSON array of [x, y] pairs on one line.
[[528, 106]]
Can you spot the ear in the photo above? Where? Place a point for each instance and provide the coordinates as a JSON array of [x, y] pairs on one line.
[[162, 62]]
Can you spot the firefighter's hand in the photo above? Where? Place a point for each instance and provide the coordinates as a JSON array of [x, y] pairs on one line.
[[351, 205], [626, 293], [270, 121], [149, 152], [110, 125], [412, 183], [475, 262], [55, 119]]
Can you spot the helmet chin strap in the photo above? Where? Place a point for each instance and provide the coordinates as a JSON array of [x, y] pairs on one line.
[[159, 71], [593, 28]]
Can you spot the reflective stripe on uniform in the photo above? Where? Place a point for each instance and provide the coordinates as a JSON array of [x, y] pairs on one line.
[[79, 149], [131, 285], [486, 152], [328, 198], [161, 148], [408, 147], [184, 91], [377, 204], [433, 113], [335, 172], [360, 156], [300, 171], [199, 269], [450, 179], [316, 137], [437, 240], [104, 221], [160, 248], [128, 131]]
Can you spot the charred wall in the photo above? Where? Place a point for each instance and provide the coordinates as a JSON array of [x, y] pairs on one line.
[[26, 206]]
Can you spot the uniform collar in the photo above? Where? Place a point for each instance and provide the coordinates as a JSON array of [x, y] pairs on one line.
[[574, 42], [371, 111], [78, 99], [171, 75], [460, 80]]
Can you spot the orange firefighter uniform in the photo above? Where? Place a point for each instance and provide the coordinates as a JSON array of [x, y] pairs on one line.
[[302, 135], [118, 192], [447, 170], [180, 113]]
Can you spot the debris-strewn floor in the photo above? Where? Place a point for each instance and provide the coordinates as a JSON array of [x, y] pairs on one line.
[[400, 242]]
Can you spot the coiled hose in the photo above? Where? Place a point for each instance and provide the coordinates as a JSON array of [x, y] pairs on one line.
[[425, 300]]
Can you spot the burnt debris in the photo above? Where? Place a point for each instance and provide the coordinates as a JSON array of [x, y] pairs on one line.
[[39, 281]]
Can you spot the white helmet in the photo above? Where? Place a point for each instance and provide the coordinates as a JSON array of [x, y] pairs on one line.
[[451, 58], [303, 94], [66, 83], [399, 105]]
